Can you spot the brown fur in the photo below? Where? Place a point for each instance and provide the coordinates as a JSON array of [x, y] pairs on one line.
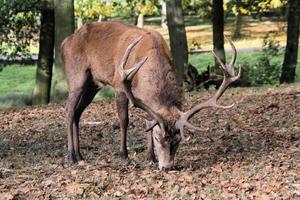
[[92, 56], [99, 47]]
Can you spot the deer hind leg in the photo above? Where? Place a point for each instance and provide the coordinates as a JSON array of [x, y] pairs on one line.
[[73, 99], [79, 98], [122, 109], [87, 95]]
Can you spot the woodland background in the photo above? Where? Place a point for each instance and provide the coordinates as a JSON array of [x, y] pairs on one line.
[[250, 152]]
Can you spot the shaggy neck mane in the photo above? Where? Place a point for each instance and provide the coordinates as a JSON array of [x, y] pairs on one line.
[[169, 91]]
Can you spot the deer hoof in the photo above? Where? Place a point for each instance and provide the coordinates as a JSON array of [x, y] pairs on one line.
[[81, 163], [70, 158], [124, 155], [78, 157], [151, 158]]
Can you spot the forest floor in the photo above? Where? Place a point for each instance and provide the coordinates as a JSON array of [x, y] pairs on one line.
[[251, 151]]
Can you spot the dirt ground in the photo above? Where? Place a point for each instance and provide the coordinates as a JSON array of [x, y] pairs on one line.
[[253, 33], [251, 151]]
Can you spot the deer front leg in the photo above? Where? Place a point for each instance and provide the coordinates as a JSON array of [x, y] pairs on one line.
[[122, 109], [150, 144]]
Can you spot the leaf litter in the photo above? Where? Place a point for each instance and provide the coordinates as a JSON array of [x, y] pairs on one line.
[[251, 151]]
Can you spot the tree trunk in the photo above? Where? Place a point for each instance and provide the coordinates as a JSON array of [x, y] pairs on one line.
[[237, 26], [41, 92], [178, 40], [218, 31], [64, 26], [164, 14], [79, 22], [102, 18], [140, 21], [291, 49]]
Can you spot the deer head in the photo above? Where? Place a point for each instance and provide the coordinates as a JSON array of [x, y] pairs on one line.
[[168, 127]]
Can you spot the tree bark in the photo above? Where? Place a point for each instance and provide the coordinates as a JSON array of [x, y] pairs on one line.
[[140, 21], [237, 26], [64, 26], [218, 31], [178, 40], [41, 92], [102, 18], [79, 22], [164, 14], [292, 43]]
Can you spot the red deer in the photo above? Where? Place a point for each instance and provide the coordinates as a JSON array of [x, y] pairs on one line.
[[138, 64]]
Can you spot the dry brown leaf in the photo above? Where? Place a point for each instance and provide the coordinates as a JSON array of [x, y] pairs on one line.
[[76, 188], [6, 196]]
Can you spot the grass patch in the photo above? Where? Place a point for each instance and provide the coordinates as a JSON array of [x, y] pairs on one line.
[[201, 61], [15, 100], [17, 84], [107, 93], [17, 79]]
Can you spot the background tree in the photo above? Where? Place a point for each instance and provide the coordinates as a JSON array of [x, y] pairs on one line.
[[64, 26], [18, 31], [141, 8], [178, 40], [18, 26], [218, 30], [41, 93], [254, 8], [92, 10], [292, 43], [164, 14], [200, 8]]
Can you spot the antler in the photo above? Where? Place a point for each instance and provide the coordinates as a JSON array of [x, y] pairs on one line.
[[229, 77], [126, 78]]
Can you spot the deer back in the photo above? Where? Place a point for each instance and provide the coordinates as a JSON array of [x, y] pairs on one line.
[[99, 47]]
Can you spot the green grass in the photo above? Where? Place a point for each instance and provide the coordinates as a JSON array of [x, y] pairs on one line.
[[201, 61], [17, 79], [17, 84]]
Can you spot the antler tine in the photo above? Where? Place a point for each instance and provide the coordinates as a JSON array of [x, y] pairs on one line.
[[124, 60], [229, 77], [222, 65], [233, 59], [127, 76], [192, 128], [152, 126]]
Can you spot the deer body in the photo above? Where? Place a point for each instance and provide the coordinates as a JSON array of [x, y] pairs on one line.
[[138, 64], [98, 49], [92, 56]]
